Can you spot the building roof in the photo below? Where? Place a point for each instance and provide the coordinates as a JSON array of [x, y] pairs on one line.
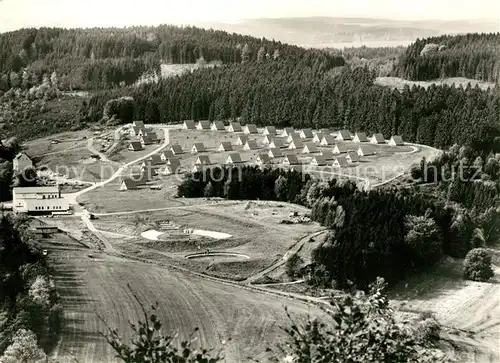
[[276, 143], [203, 159], [319, 136], [365, 150], [292, 159], [167, 153], [129, 183], [139, 124], [140, 179], [341, 160], [353, 155], [37, 190], [310, 147], [328, 140], [190, 124], [324, 131], [236, 126], [152, 135], [234, 157], [287, 131], [199, 146], [219, 125], [243, 139], [251, 128], [136, 145], [340, 147], [397, 139], [306, 133], [251, 145], [327, 154], [344, 135], [379, 138], [275, 152], [361, 136], [297, 143], [147, 138], [204, 124], [320, 159], [264, 158], [176, 149], [19, 155], [156, 159], [270, 130], [226, 145]]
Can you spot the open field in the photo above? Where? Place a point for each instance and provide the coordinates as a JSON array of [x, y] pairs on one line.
[[58, 143], [97, 287], [399, 83]]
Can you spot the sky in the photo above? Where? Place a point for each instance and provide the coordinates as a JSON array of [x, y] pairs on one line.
[[15, 14]]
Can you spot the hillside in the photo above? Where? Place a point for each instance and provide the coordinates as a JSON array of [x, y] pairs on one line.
[[475, 56], [340, 32], [102, 58]]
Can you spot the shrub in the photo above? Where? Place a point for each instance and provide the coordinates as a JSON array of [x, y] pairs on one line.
[[293, 266], [477, 265]]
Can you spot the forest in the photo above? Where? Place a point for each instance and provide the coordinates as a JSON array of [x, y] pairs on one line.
[[101, 58], [292, 93], [29, 304], [475, 56]]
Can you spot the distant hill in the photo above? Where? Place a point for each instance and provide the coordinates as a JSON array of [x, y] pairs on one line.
[[326, 32]]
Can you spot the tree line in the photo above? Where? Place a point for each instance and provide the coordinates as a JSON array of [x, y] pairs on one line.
[[78, 55], [472, 55], [293, 93]]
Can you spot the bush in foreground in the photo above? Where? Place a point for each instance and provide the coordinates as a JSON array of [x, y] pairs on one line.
[[477, 265]]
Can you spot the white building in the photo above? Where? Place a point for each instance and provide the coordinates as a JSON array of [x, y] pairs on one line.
[[21, 162], [39, 200]]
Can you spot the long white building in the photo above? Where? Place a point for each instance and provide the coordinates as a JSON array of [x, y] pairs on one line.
[[39, 200]]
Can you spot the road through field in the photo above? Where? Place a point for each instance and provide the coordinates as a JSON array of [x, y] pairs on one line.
[[93, 287]]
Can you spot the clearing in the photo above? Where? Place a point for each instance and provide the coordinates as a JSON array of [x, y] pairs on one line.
[[399, 83]]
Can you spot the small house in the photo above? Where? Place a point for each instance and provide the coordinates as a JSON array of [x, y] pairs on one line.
[[165, 155], [269, 130], [344, 135], [225, 146], [309, 148], [340, 161], [266, 140], [189, 125], [318, 137], [275, 153], [250, 129], [339, 149], [233, 158], [377, 139], [217, 126], [296, 144], [21, 162], [352, 157], [276, 144], [140, 179], [318, 160], [396, 140], [263, 159], [293, 136], [250, 145], [173, 160], [146, 139], [287, 131], [365, 151], [203, 160], [360, 137], [135, 146], [155, 160], [128, 184], [327, 154], [172, 169], [306, 134], [203, 125], [327, 140], [139, 124], [235, 127], [176, 149], [291, 160], [324, 131], [242, 140], [137, 131], [198, 147]]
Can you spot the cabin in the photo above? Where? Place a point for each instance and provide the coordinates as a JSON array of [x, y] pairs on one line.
[[291, 160], [396, 140], [269, 130], [203, 160], [360, 137], [295, 144], [135, 146], [377, 139], [242, 140], [324, 131], [275, 153], [235, 127], [318, 160], [327, 154], [287, 131], [225, 146], [266, 140], [344, 135], [189, 125], [155, 160], [276, 144], [250, 129], [172, 169], [352, 157], [327, 140], [293, 136], [21, 162], [173, 160], [198, 147], [233, 158], [128, 184], [203, 125], [339, 149], [340, 161], [146, 140], [306, 134], [139, 124], [263, 159], [318, 137], [309, 148], [365, 151], [137, 131], [250, 145], [141, 179], [176, 149], [165, 155], [46, 199], [217, 126]]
